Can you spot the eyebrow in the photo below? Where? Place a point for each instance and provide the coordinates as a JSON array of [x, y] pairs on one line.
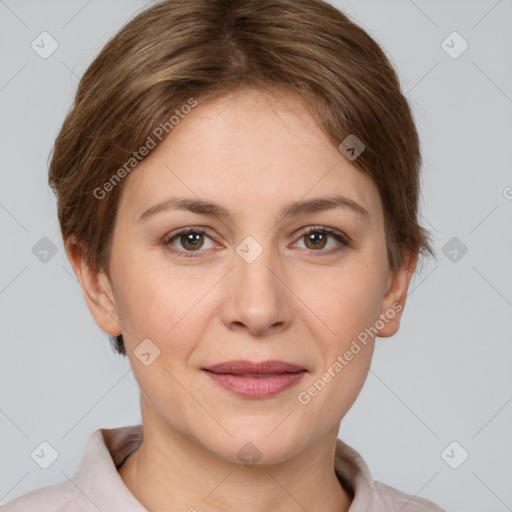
[[294, 209]]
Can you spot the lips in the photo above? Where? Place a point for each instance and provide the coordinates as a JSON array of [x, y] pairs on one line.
[[249, 368], [256, 379]]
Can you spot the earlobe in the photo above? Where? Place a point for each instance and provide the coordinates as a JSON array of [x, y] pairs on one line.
[[393, 302], [96, 289]]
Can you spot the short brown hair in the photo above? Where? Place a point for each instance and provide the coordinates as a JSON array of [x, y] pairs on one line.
[[202, 49]]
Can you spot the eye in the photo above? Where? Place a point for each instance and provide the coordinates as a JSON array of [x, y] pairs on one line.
[[190, 239], [317, 238]]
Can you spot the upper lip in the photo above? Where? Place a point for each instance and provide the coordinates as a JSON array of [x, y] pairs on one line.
[[250, 367]]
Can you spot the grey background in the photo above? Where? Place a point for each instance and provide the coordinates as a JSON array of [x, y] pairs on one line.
[[446, 376]]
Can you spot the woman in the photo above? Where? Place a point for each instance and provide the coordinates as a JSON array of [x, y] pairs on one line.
[[237, 187]]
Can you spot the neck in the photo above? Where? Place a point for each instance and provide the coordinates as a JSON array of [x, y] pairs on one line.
[[172, 472]]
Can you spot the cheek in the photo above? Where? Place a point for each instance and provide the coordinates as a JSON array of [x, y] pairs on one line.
[[163, 304], [347, 305], [341, 302], [156, 307]]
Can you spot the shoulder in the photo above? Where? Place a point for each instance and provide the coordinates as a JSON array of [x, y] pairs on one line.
[[394, 500], [96, 485], [371, 495], [63, 497]]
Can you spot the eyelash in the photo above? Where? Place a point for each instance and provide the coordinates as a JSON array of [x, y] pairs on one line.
[[342, 239]]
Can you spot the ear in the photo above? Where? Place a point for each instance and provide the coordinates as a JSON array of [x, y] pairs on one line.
[[393, 302], [96, 288]]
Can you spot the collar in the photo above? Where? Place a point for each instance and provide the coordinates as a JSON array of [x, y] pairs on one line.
[[107, 449]]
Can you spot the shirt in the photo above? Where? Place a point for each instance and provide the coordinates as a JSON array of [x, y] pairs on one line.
[[97, 484]]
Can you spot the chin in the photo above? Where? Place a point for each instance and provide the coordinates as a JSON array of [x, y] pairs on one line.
[[251, 445]]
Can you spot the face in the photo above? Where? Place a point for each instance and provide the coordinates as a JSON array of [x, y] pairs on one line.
[[278, 255]]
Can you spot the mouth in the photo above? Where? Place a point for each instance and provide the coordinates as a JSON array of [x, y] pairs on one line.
[[256, 379]]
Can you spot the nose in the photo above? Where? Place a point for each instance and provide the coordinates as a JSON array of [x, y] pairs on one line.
[[257, 298]]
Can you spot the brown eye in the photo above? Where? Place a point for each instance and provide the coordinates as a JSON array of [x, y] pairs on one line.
[[317, 238], [191, 241], [187, 242]]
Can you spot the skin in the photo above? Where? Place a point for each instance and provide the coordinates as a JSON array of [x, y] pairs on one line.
[[299, 301]]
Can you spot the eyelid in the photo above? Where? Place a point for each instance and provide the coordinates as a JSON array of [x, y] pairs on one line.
[[183, 231], [340, 236], [330, 231], [302, 232]]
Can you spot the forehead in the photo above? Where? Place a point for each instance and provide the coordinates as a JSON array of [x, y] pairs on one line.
[[244, 150]]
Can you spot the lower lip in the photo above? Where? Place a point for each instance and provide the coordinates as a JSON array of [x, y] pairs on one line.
[[256, 387]]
